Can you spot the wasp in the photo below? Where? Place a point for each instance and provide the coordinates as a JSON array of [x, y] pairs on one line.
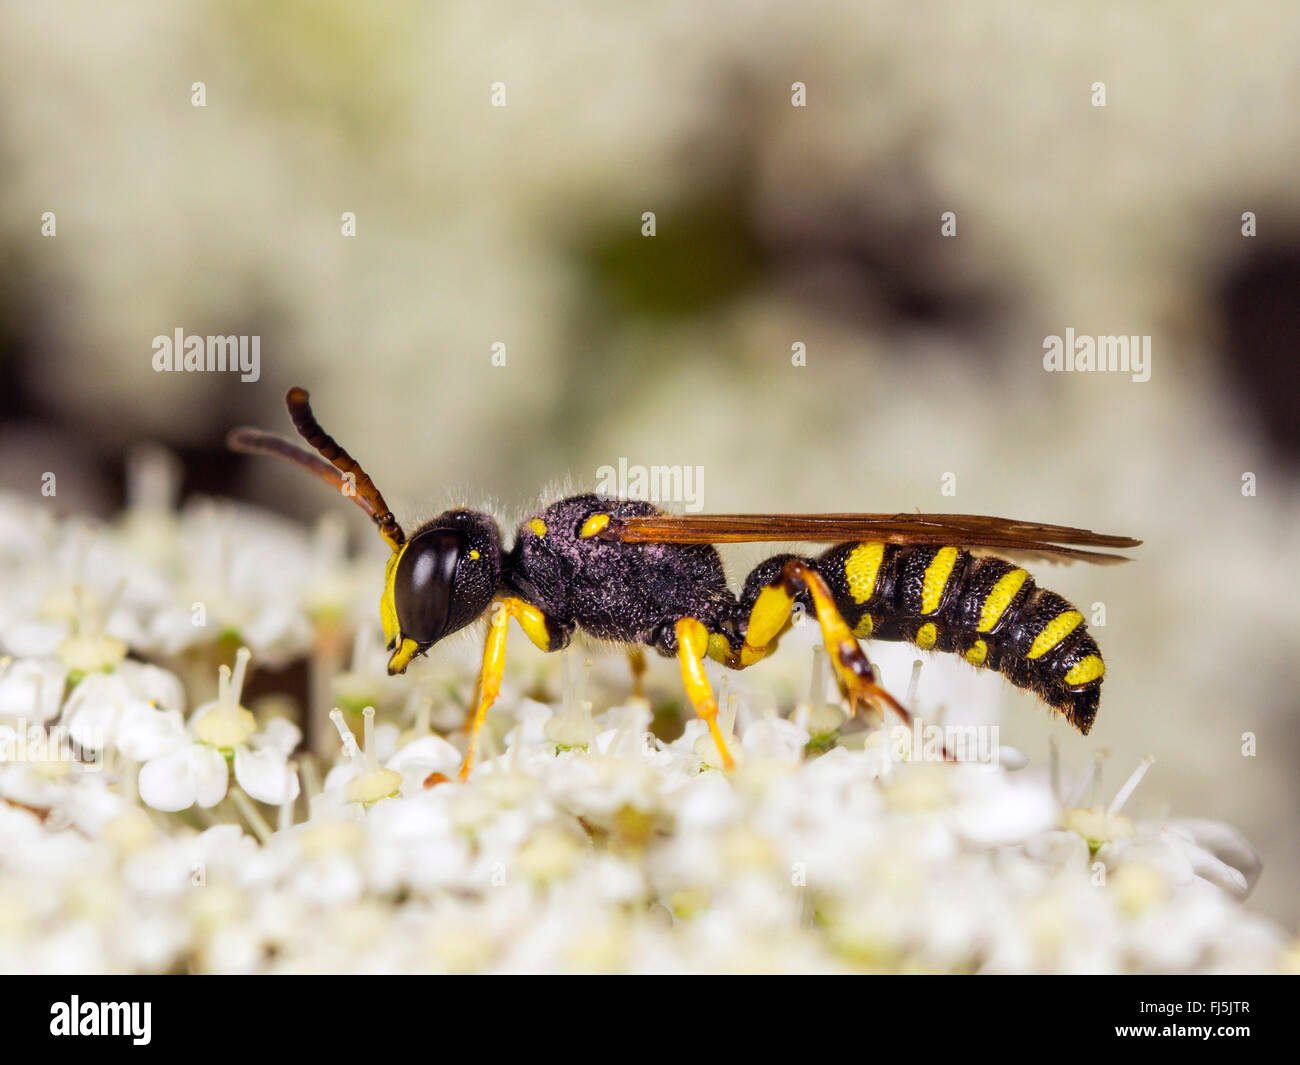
[[627, 572]]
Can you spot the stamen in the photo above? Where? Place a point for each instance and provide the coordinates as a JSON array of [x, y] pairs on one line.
[[913, 683], [1124, 793], [368, 731], [250, 812], [350, 748], [242, 657], [311, 783], [1087, 785], [817, 685], [423, 713], [153, 479], [226, 724], [373, 783], [727, 718], [285, 819]]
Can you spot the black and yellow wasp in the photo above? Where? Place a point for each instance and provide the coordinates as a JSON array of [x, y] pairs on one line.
[[627, 572]]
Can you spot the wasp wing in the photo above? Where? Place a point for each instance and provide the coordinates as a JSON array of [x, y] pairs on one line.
[[978, 531]]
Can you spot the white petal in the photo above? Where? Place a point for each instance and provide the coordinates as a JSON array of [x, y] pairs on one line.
[[433, 751], [341, 774], [172, 631], [418, 759], [211, 776], [1208, 867], [93, 709], [265, 775], [777, 739], [153, 685], [386, 736], [21, 683], [92, 726], [31, 639], [1222, 841], [279, 734], [166, 784], [144, 733], [276, 631]]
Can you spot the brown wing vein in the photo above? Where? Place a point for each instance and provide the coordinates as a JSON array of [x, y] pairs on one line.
[[968, 530]]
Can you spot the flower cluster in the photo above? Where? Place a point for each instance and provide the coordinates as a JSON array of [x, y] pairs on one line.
[[138, 836]]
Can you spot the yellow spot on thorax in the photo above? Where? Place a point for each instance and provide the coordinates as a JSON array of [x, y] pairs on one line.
[[862, 567], [866, 625], [1054, 632], [594, 524], [926, 636], [538, 526], [936, 579], [473, 553], [1000, 598], [1085, 671], [978, 652]]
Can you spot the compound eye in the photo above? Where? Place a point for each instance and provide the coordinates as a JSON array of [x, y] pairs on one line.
[[422, 585]]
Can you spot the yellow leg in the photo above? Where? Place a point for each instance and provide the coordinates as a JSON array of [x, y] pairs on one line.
[[770, 614], [767, 620], [851, 665], [692, 646], [533, 622]]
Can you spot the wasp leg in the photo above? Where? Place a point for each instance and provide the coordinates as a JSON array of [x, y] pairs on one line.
[[636, 660], [535, 627], [692, 646], [850, 661], [770, 614]]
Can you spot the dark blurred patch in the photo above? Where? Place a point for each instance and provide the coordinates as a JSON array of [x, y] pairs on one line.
[[1259, 301], [34, 437], [890, 271], [885, 269], [220, 401], [22, 318], [99, 448], [703, 256]]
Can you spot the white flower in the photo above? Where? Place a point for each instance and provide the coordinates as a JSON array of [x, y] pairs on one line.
[[583, 843], [193, 773], [196, 772], [360, 778], [121, 709], [31, 689]]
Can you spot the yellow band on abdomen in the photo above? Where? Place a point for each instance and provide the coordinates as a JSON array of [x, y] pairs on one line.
[[1000, 598], [936, 579], [862, 568], [1085, 671], [1054, 632]]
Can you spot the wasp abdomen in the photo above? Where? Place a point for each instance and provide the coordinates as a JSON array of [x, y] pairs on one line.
[[988, 610]]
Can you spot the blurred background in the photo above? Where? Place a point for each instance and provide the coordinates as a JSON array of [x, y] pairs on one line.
[[775, 225]]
